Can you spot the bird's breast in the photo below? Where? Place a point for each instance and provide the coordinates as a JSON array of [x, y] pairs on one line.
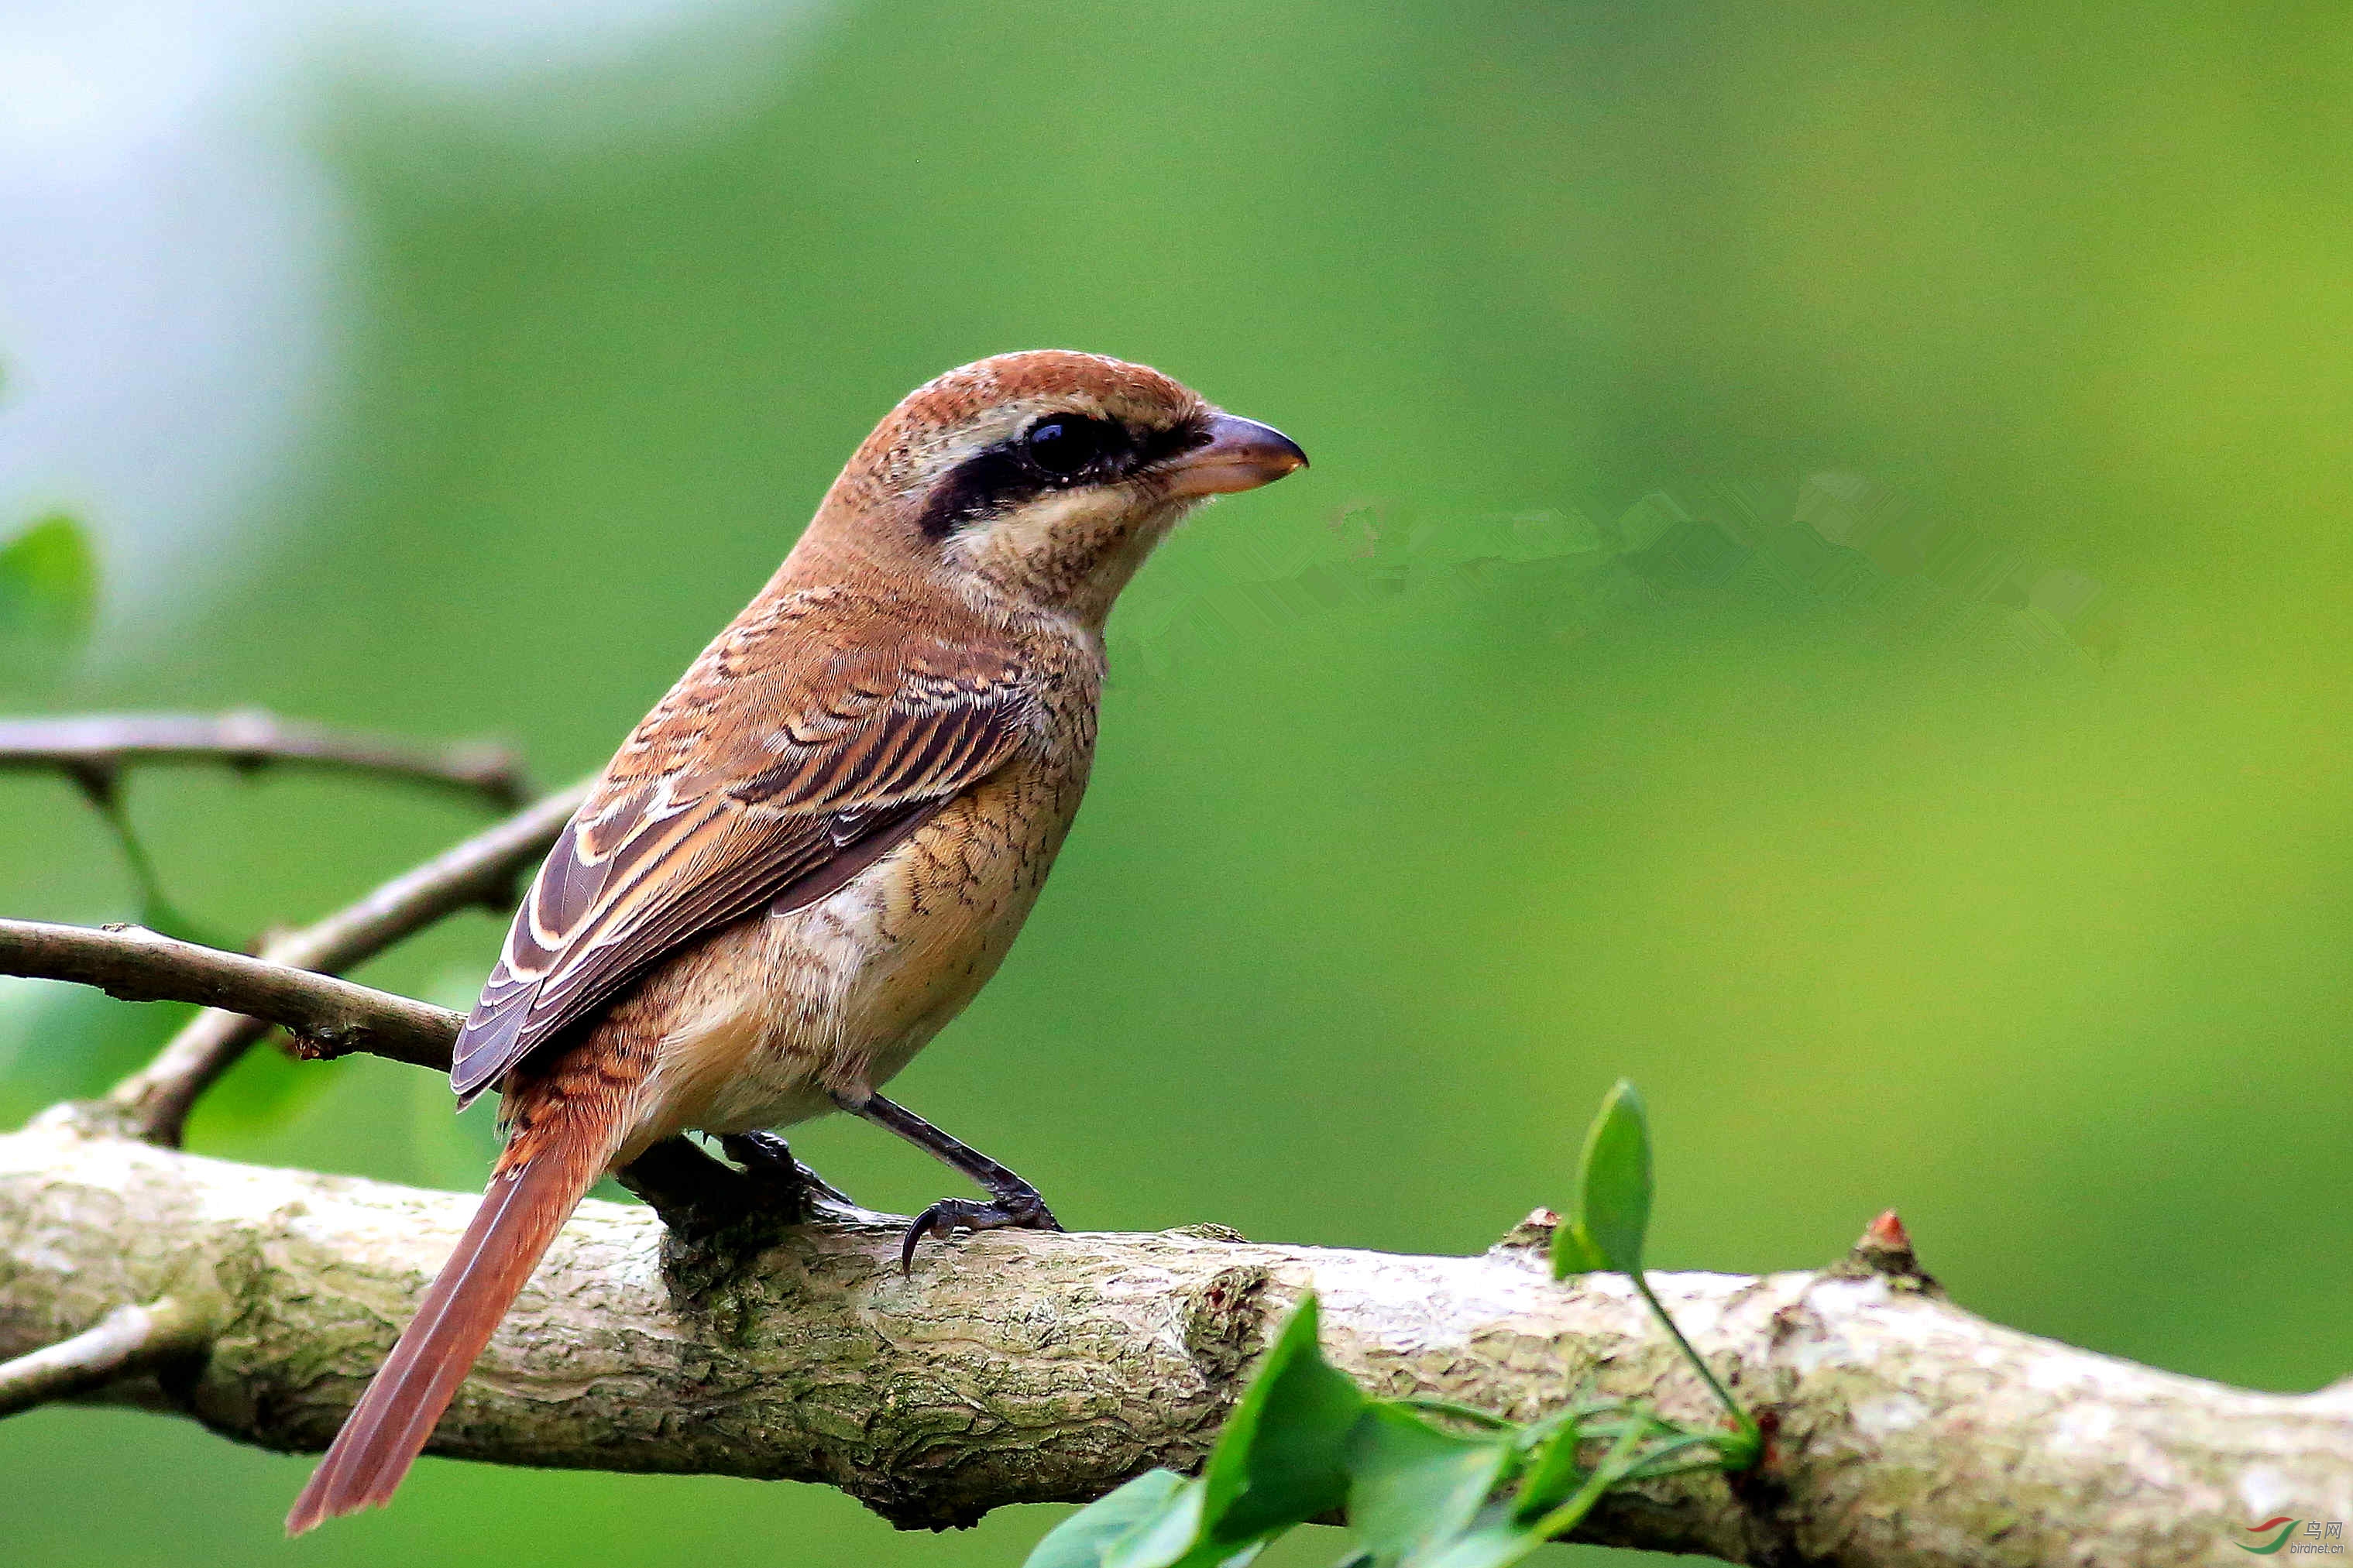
[[839, 994]]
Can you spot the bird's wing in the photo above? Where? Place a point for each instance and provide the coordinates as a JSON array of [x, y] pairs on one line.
[[798, 750]]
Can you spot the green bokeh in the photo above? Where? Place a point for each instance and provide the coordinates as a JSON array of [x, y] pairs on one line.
[[2026, 915]]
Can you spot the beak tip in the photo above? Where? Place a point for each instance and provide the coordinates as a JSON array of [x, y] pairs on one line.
[[1240, 455], [1282, 454]]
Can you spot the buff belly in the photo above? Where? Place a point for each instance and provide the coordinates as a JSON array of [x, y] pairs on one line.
[[773, 1017]]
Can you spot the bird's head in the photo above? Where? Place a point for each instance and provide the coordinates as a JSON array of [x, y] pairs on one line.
[[1043, 479]]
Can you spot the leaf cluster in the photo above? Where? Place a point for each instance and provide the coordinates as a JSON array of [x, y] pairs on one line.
[[1421, 1483]]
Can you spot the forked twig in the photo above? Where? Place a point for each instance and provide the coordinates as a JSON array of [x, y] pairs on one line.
[[156, 1101]]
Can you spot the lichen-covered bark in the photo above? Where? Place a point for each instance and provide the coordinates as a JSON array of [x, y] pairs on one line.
[[1017, 1367]]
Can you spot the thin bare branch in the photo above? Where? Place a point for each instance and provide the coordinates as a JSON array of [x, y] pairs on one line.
[[128, 1339], [141, 966], [156, 1100], [95, 747]]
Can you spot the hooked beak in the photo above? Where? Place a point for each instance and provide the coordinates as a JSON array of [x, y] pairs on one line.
[[1240, 455]]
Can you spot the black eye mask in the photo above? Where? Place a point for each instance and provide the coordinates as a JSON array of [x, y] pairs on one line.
[[1057, 451]]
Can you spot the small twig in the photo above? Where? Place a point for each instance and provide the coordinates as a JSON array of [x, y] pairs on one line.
[[155, 908], [141, 966], [123, 1340], [94, 747], [156, 1100]]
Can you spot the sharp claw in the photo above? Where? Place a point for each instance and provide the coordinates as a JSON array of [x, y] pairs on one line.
[[920, 1227], [943, 1218]]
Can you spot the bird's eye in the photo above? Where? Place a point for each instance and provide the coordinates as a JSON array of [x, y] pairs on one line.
[[1064, 443]]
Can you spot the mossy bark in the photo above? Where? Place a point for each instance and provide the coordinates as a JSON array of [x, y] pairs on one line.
[[1017, 1367]]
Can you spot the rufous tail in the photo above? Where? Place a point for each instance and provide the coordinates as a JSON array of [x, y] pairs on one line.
[[528, 1201]]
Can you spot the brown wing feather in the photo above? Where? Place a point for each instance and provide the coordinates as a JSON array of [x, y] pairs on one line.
[[767, 773]]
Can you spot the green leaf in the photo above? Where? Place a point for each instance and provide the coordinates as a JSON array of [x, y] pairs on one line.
[[1175, 1538], [1169, 1534], [1502, 1535], [1614, 1197], [1153, 1522], [1283, 1456], [1553, 1473], [48, 584], [1454, 1410], [1414, 1488], [1497, 1539], [1573, 1251], [1282, 1459], [1085, 1540]]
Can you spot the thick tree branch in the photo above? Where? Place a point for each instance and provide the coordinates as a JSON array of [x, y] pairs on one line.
[[1016, 1367], [95, 747], [156, 1101]]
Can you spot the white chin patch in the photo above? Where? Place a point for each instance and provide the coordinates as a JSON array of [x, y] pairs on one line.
[[1055, 524]]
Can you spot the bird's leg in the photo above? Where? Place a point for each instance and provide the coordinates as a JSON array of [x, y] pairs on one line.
[[1012, 1201]]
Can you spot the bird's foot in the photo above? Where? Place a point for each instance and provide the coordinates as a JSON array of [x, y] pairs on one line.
[[696, 1195], [692, 1192], [769, 1163], [1017, 1208], [1012, 1201]]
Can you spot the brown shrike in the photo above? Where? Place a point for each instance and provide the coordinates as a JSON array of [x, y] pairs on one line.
[[818, 847]]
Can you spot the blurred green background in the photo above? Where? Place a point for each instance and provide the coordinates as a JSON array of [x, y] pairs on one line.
[[1823, 589]]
